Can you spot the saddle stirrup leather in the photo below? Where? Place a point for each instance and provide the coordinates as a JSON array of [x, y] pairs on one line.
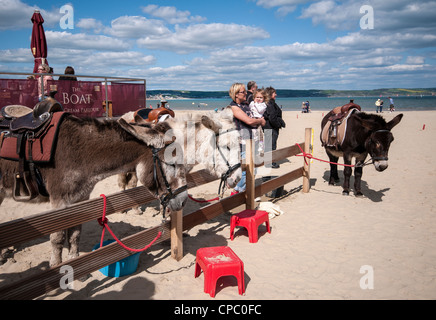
[[25, 187]]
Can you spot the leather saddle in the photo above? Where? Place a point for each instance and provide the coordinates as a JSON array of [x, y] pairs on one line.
[[333, 133], [340, 113], [22, 128], [153, 115]]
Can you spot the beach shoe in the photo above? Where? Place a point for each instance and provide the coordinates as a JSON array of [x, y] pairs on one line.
[[234, 192], [258, 199]]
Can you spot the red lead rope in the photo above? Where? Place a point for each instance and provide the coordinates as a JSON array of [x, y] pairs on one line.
[[310, 156], [203, 201], [104, 223]]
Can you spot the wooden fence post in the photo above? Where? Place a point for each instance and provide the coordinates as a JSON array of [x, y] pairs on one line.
[[306, 168], [249, 168], [177, 235]]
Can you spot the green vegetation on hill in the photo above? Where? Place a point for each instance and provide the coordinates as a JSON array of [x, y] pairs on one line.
[[283, 93]]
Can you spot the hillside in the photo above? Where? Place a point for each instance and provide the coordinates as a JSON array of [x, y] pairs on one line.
[[284, 93]]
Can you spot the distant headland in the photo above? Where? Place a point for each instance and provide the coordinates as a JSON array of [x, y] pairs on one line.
[[284, 93]]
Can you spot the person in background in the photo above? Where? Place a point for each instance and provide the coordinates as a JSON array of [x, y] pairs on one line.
[[274, 122], [68, 72], [391, 105], [245, 123], [43, 81], [251, 87], [379, 106], [305, 106]]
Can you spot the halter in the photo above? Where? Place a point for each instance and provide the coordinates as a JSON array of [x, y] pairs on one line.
[[379, 158], [230, 168], [167, 197]]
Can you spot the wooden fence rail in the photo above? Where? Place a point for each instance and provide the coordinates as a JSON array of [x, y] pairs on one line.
[[25, 229]]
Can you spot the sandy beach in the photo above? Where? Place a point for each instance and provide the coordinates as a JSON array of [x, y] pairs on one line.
[[321, 247]]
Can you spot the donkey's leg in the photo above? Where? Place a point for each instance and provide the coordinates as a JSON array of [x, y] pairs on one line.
[[57, 240], [132, 182], [2, 194], [334, 177], [3, 255], [73, 241], [123, 179], [358, 172], [347, 174]]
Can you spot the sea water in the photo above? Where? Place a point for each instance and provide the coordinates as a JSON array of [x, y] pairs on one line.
[[403, 103]]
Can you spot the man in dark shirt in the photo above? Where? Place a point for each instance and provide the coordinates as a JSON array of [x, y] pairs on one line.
[[251, 87], [274, 122]]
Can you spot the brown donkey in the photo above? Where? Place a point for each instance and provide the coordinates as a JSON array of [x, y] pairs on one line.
[[90, 150]]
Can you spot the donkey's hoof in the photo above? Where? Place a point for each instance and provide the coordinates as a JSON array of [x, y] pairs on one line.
[[345, 193], [359, 194]]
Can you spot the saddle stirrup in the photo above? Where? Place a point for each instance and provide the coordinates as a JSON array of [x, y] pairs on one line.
[[24, 188]]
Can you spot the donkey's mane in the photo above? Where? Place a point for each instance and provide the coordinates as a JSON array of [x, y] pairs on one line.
[[372, 117], [376, 119], [225, 114]]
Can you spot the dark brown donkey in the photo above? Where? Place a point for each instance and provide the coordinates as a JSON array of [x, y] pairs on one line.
[[365, 134], [88, 151]]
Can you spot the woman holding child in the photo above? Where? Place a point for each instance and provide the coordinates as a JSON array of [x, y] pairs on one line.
[[245, 122]]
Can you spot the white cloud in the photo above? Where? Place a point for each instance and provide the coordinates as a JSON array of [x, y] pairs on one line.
[[389, 15], [334, 16], [16, 55], [15, 15], [118, 59], [415, 60], [91, 24], [68, 40], [137, 26], [204, 37], [284, 7], [171, 14]]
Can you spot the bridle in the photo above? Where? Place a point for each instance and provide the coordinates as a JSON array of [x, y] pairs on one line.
[[230, 169], [170, 194], [384, 158]]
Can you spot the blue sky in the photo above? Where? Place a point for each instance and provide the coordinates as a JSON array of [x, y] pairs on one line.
[[208, 45]]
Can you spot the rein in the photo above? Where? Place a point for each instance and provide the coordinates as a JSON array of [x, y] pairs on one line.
[[230, 168], [224, 176], [310, 156], [165, 198]]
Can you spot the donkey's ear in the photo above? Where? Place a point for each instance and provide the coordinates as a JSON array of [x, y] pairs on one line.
[[395, 121], [210, 124], [146, 134], [139, 120]]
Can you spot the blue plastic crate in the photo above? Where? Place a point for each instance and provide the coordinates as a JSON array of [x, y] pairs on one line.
[[120, 268]]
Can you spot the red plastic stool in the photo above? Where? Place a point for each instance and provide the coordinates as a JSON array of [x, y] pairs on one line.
[[217, 262], [251, 220]]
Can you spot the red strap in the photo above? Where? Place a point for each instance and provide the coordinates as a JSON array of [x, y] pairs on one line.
[[309, 156], [203, 201], [104, 223]]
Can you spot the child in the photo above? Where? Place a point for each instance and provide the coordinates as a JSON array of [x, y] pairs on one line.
[[258, 107]]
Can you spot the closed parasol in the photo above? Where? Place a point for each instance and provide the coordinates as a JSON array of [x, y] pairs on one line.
[[38, 43]]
